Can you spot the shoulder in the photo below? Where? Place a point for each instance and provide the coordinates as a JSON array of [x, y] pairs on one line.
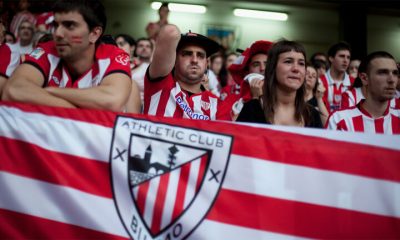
[[345, 114], [44, 48], [40, 53], [5, 49], [252, 112], [315, 119], [109, 50]]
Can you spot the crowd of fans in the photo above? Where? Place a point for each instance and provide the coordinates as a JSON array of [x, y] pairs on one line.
[[62, 58]]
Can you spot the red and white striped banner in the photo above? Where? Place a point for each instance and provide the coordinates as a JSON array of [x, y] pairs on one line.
[[67, 173]]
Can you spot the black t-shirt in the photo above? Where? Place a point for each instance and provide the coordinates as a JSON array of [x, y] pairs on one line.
[[253, 112]]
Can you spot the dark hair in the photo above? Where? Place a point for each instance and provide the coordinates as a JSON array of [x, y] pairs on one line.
[[365, 64], [127, 38], [11, 34], [145, 39], [313, 57], [302, 111], [45, 38], [316, 82], [92, 11], [317, 63], [108, 39], [338, 47], [164, 4]]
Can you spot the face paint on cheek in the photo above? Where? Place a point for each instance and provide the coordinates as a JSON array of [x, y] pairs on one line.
[[76, 39]]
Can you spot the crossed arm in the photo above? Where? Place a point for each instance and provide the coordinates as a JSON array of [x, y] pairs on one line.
[[25, 85], [2, 82]]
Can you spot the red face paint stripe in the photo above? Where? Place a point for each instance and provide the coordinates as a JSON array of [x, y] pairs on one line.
[[76, 39]]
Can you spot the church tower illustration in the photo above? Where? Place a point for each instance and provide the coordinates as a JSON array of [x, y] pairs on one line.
[[144, 165]]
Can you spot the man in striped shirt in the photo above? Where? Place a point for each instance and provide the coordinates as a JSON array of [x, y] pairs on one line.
[[173, 80], [336, 81], [76, 69], [374, 114]]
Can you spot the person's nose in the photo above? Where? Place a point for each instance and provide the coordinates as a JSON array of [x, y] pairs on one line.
[[58, 32], [262, 68], [393, 78], [194, 58]]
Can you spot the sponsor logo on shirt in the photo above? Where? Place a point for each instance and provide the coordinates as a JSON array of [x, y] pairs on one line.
[[186, 108], [37, 53], [122, 59]]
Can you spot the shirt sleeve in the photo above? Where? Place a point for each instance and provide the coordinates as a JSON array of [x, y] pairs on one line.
[[9, 60], [39, 59], [119, 62]]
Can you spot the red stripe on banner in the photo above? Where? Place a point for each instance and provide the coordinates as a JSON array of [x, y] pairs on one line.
[[202, 168], [32, 161], [160, 203], [346, 157], [181, 192], [300, 219], [99, 117], [358, 124], [379, 125], [142, 195], [15, 225]]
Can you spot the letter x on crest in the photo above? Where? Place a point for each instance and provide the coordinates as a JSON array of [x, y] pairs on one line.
[[119, 154], [214, 175]]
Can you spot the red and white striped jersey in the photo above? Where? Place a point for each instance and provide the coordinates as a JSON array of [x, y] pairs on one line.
[[108, 59], [357, 119], [9, 59], [164, 97], [395, 103], [352, 97], [334, 90]]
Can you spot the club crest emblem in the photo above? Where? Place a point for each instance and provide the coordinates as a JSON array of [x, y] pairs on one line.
[[165, 178], [205, 105]]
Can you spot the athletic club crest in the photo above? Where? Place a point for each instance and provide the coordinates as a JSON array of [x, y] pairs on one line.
[[165, 178]]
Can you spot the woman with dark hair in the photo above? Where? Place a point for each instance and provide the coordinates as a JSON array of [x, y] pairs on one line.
[[315, 92], [282, 102]]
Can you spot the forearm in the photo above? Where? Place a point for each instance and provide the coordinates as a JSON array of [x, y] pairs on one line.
[[2, 82], [165, 52], [134, 104], [27, 92], [323, 111], [95, 97]]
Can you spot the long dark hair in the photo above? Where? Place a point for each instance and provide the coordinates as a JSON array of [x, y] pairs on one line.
[[302, 112]]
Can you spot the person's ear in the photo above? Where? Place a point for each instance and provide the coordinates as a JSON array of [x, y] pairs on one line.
[[364, 78], [95, 34]]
